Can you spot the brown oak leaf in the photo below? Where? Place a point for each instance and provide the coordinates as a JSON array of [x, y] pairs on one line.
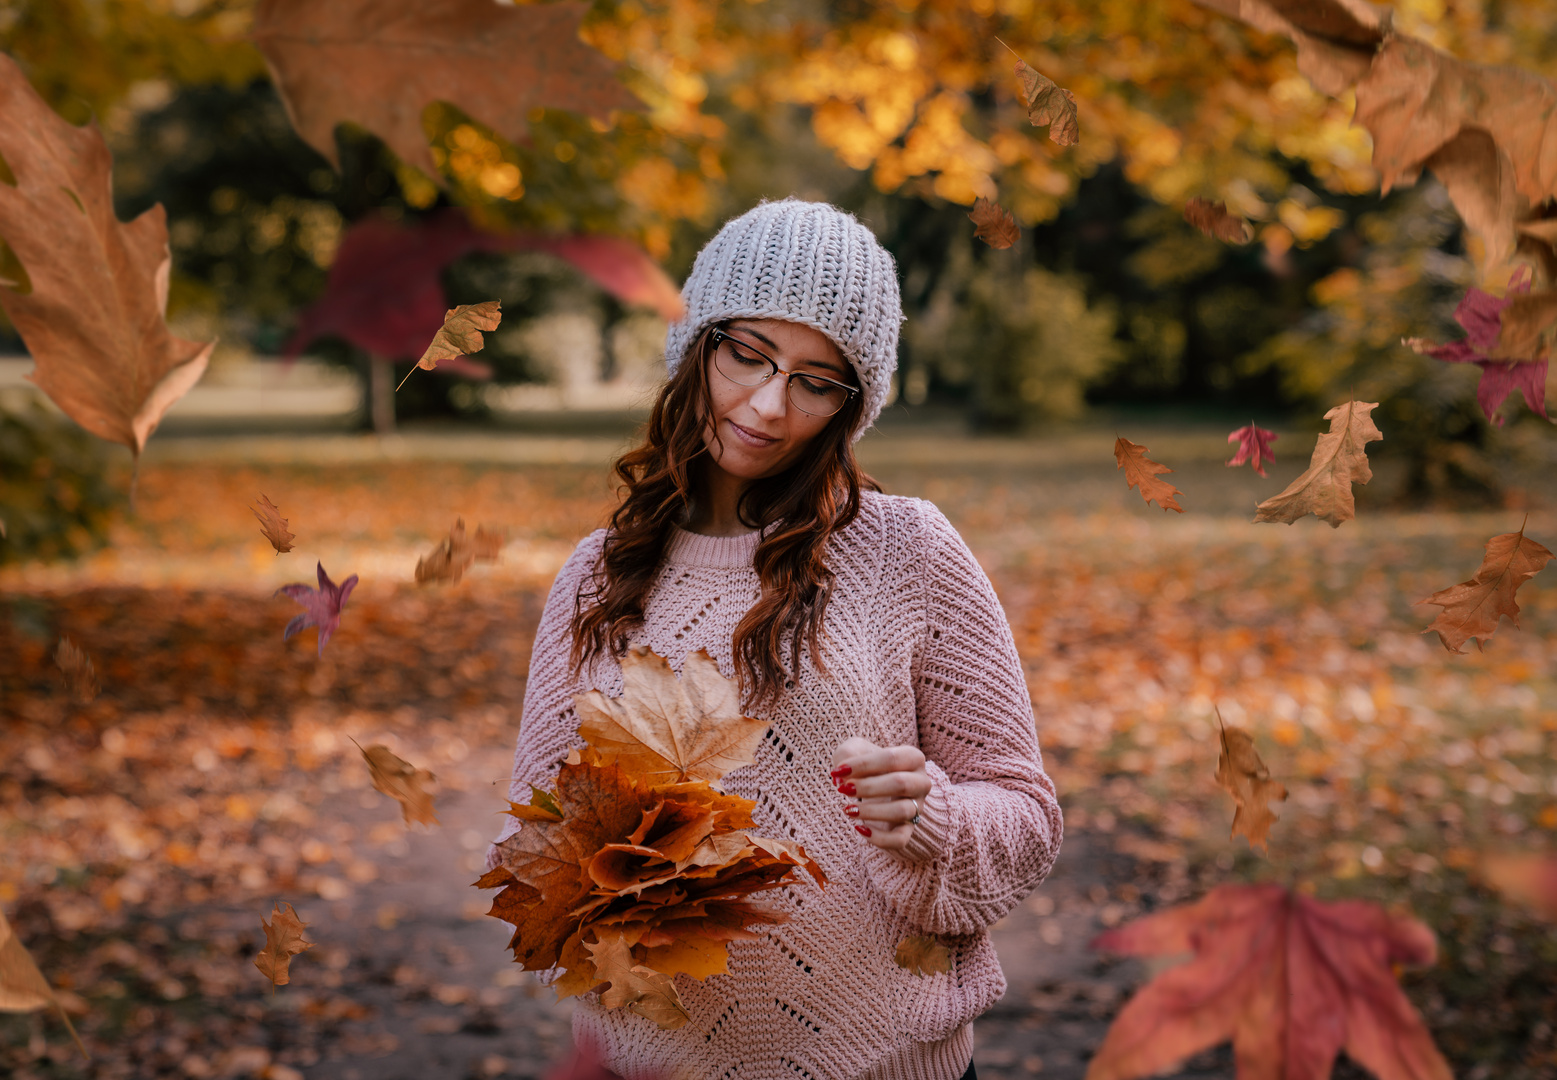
[[993, 224], [1049, 104], [460, 334], [663, 729], [1141, 472], [1213, 219], [641, 989], [401, 781], [273, 525], [1241, 773], [451, 558], [1290, 980], [77, 666], [922, 954], [92, 314], [380, 63], [22, 986], [1472, 608], [283, 940], [1340, 460]]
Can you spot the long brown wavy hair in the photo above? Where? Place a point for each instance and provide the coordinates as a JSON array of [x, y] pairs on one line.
[[809, 501]]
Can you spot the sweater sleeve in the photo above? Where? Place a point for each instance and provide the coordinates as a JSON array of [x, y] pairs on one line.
[[548, 727], [990, 827]]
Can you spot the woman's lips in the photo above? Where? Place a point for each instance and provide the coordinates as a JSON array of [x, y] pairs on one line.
[[750, 438]]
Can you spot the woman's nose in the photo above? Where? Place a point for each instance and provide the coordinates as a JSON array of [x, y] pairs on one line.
[[771, 398]]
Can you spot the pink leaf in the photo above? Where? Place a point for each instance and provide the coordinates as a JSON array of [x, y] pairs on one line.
[[1253, 446], [321, 606]]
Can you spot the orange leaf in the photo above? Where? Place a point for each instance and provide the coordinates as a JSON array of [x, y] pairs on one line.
[[993, 224], [1527, 879], [1141, 471], [22, 986], [1472, 608], [93, 319], [1241, 773], [403, 782], [380, 63], [460, 334], [1048, 104], [273, 525], [922, 955], [1213, 219], [77, 666], [450, 559], [1290, 980], [1340, 460], [283, 940], [642, 990]]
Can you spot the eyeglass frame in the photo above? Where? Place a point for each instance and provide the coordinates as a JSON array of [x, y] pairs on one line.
[[720, 334]]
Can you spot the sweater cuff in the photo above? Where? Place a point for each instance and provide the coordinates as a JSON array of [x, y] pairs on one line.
[[933, 835]]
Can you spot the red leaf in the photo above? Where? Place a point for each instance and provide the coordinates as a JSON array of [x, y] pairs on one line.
[[1253, 446], [1290, 980]]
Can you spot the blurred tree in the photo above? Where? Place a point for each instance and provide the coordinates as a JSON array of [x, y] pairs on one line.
[[55, 496]]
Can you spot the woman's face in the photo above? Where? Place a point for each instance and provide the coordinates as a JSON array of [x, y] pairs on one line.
[[760, 431]]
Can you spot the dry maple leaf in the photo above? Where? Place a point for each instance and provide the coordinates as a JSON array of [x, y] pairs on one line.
[[22, 986], [1291, 980], [1048, 104], [380, 63], [77, 666], [93, 318], [663, 729], [460, 334], [1213, 219], [451, 558], [641, 989], [1142, 471], [1241, 773], [1253, 446], [993, 224], [1472, 608], [1335, 39], [401, 781], [1339, 461], [283, 940], [273, 525], [922, 954], [321, 606]]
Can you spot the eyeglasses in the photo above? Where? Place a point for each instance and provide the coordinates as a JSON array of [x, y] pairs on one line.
[[745, 365]]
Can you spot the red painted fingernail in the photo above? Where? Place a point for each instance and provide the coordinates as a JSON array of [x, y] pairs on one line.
[[841, 771], [852, 811], [862, 830], [846, 789]]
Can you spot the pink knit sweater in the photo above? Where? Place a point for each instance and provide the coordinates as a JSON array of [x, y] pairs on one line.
[[918, 651]]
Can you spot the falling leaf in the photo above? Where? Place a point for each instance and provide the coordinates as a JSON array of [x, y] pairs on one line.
[[380, 63], [1241, 773], [922, 954], [1142, 471], [93, 320], [663, 729], [1290, 980], [1048, 104], [641, 989], [22, 986], [1527, 879], [1472, 608], [77, 666], [460, 334], [1482, 316], [450, 559], [401, 781], [1213, 219], [321, 606], [273, 525], [1339, 461], [1253, 446], [283, 940], [1335, 39], [993, 224]]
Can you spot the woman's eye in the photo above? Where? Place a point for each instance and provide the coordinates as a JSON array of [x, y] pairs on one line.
[[818, 389], [753, 361]]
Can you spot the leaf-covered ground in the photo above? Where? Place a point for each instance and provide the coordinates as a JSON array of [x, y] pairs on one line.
[[147, 833]]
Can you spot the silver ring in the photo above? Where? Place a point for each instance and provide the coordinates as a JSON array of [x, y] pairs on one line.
[[915, 819]]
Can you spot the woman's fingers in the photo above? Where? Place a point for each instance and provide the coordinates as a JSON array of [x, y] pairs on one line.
[[884, 813], [857, 759], [892, 785], [890, 837]]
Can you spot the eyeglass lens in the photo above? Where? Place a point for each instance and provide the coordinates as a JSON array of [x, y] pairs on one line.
[[814, 396]]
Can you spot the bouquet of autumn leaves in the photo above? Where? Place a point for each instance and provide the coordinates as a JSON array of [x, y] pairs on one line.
[[637, 867]]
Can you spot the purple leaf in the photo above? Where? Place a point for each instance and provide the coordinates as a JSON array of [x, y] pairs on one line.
[[1480, 314], [321, 606]]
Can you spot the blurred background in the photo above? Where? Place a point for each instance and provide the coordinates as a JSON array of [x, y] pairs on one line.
[[146, 830]]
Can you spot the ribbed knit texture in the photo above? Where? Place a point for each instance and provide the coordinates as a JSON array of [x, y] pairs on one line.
[[918, 651], [805, 262]]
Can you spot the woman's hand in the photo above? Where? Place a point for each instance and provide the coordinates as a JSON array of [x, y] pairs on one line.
[[885, 786]]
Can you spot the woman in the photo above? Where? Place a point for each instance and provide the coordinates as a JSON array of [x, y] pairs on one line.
[[901, 751]]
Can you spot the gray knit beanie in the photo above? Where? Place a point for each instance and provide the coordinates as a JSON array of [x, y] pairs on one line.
[[805, 262]]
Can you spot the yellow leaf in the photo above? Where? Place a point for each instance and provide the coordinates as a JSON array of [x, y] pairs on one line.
[[923, 955], [698, 957], [642, 990]]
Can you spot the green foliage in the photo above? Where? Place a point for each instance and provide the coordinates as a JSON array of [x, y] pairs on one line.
[[56, 497]]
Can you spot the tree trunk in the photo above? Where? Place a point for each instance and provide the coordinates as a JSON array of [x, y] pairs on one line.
[[381, 395]]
